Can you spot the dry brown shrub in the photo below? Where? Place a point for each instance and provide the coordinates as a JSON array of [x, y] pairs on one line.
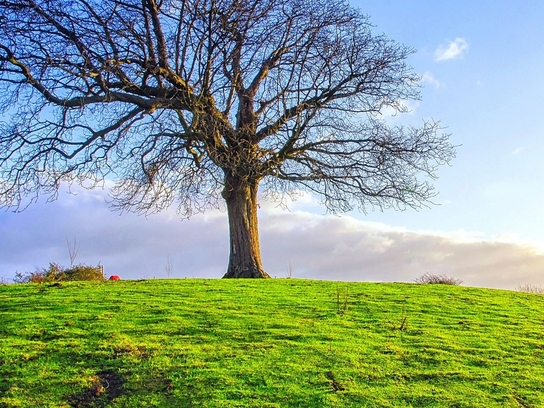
[[432, 279]]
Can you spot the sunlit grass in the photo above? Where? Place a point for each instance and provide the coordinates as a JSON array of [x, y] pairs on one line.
[[269, 343]]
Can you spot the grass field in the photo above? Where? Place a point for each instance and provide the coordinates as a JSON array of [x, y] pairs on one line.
[[269, 343]]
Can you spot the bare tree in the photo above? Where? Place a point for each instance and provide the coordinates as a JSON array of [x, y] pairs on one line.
[[169, 266], [73, 249], [192, 102]]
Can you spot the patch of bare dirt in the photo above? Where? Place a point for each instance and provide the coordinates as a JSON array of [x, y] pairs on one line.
[[107, 386]]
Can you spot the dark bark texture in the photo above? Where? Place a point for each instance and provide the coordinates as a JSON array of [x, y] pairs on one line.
[[245, 253]]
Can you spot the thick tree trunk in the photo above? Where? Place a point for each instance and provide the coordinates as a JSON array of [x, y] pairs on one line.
[[245, 252]]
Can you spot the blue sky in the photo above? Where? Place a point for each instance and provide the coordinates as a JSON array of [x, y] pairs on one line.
[[482, 65], [490, 98]]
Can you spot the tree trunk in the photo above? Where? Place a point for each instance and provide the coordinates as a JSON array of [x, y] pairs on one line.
[[245, 252]]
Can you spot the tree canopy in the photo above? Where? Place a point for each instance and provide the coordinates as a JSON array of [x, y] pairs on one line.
[[196, 102]]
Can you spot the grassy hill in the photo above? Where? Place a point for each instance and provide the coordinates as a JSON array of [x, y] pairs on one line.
[[269, 343]]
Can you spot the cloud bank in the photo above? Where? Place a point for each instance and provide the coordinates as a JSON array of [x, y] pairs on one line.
[[311, 245], [349, 249], [454, 49]]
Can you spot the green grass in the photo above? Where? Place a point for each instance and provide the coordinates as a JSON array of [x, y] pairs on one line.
[[269, 343]]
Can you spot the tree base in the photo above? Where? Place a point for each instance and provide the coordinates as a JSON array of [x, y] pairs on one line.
[[253, 273]]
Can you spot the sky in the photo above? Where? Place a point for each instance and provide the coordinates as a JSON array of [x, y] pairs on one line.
[[481, 64]]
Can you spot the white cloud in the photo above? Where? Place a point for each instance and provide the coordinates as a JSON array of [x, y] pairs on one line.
[[454, 49], [343, 248], [518, 150], [391, 114], [428, 78], [316, 246]]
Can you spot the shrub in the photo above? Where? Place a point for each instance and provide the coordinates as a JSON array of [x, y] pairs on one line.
[[537, 289], [56, 273], [85, 273], [431, 279], [51, 274]]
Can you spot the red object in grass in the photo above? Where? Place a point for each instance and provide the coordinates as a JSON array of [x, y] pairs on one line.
[[115, 277]]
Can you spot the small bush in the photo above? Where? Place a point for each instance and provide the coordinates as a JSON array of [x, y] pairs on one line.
[[537, 289], [431, 279], [56, 273], [84, 273]]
